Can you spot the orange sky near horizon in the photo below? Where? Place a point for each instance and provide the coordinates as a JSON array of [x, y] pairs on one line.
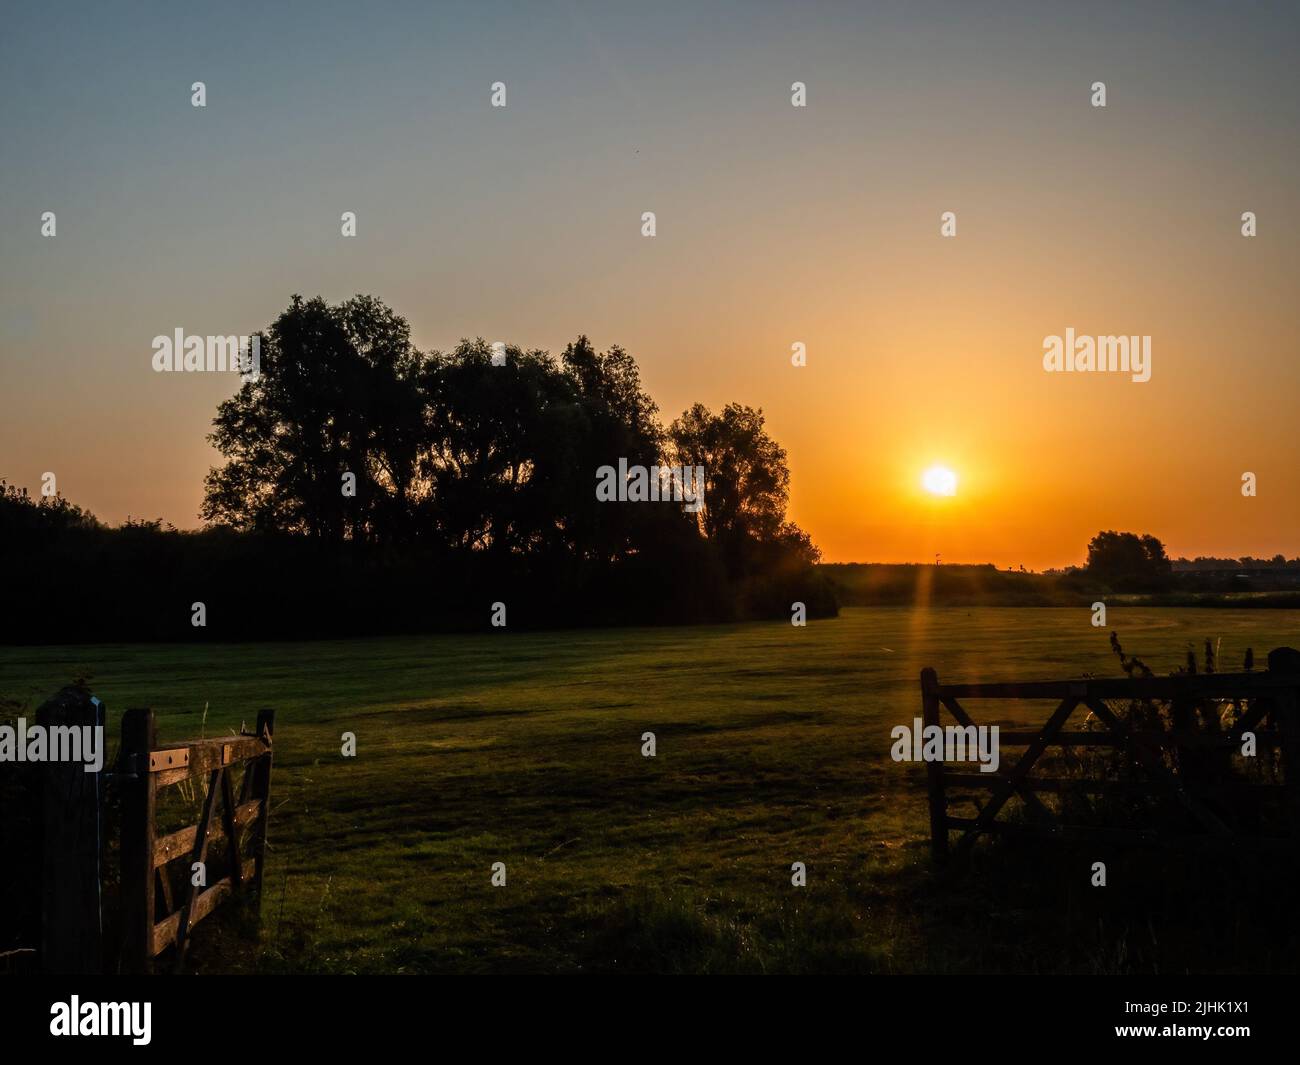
[[775, 225]]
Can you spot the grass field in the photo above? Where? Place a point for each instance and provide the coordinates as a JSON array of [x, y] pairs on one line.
[[773, 748]]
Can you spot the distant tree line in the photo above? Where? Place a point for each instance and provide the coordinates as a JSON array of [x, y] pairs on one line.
[[370, 487], [1206, 563], [1117, 562], [1127, 562]]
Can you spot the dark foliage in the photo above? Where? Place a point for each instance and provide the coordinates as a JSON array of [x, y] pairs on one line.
[[370, 488], [1129, 561]]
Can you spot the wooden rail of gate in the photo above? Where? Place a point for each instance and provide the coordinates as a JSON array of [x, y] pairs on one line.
[[1270, 699], [151, 919]]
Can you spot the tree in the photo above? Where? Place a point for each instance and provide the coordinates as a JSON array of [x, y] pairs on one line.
[[336, 395], [351, 435], [495, 449], [746, 484], [615, 419], [1126, 560]]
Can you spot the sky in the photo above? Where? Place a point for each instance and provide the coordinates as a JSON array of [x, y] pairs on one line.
[[775, 225]]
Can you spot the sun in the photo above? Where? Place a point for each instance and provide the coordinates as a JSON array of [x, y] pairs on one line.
[[939, 481]]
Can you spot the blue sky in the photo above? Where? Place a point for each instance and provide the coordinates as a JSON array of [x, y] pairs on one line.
[[523, 223]]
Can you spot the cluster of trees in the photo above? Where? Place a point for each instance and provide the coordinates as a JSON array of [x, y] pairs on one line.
[[1128, 562], [368, 486], [351, 433]]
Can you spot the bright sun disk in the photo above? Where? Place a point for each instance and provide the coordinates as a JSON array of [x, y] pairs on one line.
[[939, 481]]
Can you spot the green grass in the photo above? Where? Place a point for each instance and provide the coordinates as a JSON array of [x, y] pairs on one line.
[[773, 748]]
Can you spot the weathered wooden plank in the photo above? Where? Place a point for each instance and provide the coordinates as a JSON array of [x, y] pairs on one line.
[[168, 777], [198, 855], [139, 737], [231, 830], [934, 770], [182, 842], [71, 933], [261, 770], [207, 755]]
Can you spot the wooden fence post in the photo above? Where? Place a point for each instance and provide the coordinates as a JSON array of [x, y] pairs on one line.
[[139, 737], [261, 770], [934, 770], [71, 849]]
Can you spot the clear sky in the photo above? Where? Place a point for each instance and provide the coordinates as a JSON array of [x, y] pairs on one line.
[[776, 225]]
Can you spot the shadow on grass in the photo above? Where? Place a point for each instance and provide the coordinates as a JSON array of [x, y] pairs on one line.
[[1026, 907]]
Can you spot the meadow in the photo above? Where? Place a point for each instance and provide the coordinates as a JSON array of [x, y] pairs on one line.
[[526, 748]]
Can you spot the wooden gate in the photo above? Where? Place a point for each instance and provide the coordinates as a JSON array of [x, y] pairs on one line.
[[152, 919], [1267, 709]]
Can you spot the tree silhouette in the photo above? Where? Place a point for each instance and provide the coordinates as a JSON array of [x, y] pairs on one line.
[[491, 461], [746, 483], [336, 394], [1127, 560]]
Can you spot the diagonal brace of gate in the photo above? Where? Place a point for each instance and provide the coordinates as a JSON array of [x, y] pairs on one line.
[[218, 783], [1026, 793], [1016, 778]]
